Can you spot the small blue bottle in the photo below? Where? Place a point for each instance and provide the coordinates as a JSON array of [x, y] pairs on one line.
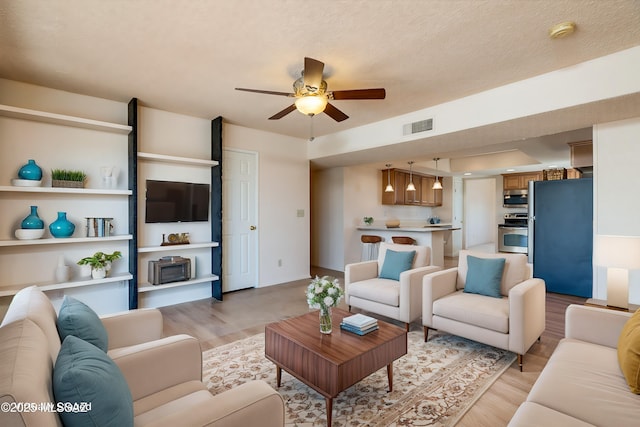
[[30, 171], [32, 221]]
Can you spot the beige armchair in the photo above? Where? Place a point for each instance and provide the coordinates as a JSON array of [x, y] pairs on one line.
[[512, 320], [398, 298]]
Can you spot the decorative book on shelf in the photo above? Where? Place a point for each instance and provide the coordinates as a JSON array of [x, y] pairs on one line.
[[359, 324]]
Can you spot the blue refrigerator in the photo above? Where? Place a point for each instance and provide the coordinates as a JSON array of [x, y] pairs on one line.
[[560, 235]]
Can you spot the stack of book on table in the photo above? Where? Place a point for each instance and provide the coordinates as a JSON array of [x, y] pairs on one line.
[[359, 324]]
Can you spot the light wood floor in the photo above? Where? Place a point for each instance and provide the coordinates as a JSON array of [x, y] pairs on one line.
[[245, 313]]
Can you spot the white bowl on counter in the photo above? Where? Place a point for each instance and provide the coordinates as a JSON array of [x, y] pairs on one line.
[[26, 183], [29, 233]]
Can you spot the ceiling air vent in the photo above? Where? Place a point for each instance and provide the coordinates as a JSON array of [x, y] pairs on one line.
[[417, 127]]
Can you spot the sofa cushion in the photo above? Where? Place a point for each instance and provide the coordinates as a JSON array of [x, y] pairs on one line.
[[531, 414], [422, 258], [581, 380], [85, 374], [484, 276], [395, 263], [515, 269], [78, 319], [629, 352], [31, 303], [384, 291], [25, 373], [473, 309]]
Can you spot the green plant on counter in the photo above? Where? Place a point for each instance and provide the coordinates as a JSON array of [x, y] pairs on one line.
[[368, 220], [68, 175]]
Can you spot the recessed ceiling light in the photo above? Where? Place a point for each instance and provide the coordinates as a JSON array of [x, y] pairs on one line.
[[467, 173], [553, 166], [562, 29], [511, 170]]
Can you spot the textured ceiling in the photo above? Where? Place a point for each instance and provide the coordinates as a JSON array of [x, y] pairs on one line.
[[188, 56]]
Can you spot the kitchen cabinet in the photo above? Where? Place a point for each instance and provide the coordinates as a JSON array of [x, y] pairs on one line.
[[520, 181], [581, 154], [424, 195]]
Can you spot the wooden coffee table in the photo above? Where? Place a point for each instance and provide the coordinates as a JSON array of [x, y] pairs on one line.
[[331, 363]]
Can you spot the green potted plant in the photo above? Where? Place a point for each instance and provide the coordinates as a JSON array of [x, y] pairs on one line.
[[368, 220], [100, 263], [67, 178]]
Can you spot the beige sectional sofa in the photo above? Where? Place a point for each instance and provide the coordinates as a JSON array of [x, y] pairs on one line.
[[163, 374], [582, 383]]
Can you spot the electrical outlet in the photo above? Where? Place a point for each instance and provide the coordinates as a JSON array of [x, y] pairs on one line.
[[279, 263], [300, 213]]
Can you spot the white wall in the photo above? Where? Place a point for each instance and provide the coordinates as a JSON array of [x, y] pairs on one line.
[[283, 190], [327, 191], [616, 151], [479, 199]]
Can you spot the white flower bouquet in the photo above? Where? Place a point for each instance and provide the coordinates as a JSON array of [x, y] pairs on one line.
[[324, 292]]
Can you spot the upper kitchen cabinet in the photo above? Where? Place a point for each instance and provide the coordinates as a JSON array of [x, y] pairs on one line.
[[520, 181], [424, 195]]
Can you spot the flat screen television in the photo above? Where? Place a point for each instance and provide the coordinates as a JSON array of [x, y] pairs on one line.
[[170, 201]]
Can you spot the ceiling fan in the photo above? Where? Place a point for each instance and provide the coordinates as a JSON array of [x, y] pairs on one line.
[[312, 96]]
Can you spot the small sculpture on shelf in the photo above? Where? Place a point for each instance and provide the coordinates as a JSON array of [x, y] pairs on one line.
[[100, 263], [175, 239]]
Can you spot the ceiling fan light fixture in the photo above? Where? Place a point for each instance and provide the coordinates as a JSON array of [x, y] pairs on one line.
[[310, 105]]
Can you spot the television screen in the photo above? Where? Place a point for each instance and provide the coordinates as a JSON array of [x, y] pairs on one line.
[[169, 201]]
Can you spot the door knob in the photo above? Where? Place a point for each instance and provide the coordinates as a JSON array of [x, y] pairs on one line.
[[253, 227]]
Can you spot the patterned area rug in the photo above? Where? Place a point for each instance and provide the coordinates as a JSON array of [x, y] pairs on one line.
[[434, 384]]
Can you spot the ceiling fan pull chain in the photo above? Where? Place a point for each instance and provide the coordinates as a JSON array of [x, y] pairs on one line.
[[311, 137]]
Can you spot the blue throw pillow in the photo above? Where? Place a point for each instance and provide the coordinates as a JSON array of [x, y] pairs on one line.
[[77, 319], [84, 375], [395, 263], [484, 276]]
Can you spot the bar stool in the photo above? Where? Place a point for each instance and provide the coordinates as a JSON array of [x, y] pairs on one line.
[[403, 240], [370, 245]]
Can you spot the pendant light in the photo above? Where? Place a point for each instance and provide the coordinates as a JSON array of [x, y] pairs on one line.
[[437, 185], [389, 188], [411, 187]]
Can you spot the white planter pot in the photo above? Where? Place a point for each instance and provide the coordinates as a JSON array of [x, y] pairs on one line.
[[98, 273]]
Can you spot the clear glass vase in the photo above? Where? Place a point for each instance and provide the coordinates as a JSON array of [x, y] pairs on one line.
[[325, 320]]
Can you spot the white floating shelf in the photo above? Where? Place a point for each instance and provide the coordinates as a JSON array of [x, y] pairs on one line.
[[61, 119], [185, 247], [63, 240], [175, 159], [64, 190], [10, 291], [149, 288]]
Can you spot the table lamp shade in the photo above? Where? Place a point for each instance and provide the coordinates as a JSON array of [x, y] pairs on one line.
[[619, 254]]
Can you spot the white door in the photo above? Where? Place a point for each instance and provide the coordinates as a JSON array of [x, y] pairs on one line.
[[239, 220]]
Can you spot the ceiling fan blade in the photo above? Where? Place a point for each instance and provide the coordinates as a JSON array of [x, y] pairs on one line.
[[358, 94], [268, 92], [283, 113], [312, 74], [335, 114]]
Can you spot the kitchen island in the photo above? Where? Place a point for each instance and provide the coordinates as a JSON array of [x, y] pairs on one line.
[[432, 235]]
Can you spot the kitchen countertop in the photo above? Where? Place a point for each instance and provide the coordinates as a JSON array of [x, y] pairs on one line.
[[424, 229]]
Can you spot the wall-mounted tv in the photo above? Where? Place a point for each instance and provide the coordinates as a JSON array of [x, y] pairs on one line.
[[170, 201]]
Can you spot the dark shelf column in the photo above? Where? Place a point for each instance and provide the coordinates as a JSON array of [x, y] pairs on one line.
[[216, 206], [133, 203]]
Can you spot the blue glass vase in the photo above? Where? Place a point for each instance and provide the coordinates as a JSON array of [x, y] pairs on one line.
[[30, 171], [32, 221], [62, 227]]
